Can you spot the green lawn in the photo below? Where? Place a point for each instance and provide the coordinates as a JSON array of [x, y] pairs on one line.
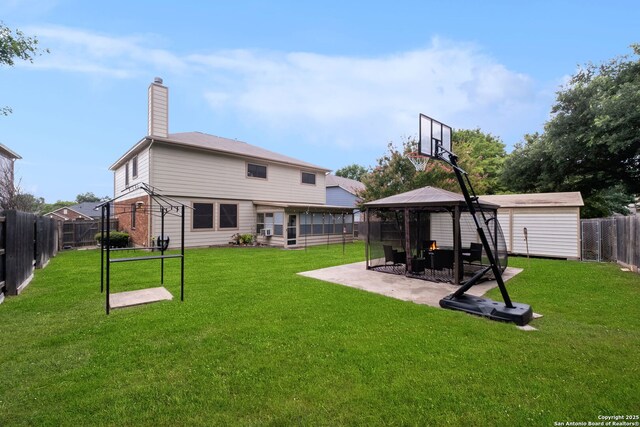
[[254, 343]]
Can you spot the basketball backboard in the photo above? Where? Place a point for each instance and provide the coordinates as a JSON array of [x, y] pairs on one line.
[[435, 138]]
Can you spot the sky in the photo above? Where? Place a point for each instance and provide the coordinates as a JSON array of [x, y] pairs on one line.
[[331, 82]]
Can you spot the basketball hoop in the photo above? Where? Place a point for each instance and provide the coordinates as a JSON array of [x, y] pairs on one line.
[[419, 161]]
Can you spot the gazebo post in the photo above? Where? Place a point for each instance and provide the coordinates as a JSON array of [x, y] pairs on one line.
[[456, 246], [366, 246], [407, 240]]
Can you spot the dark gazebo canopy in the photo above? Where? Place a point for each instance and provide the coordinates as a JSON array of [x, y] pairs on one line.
[[425, 197], [429, 233]]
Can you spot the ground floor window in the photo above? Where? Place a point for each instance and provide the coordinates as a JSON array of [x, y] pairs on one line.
[[271, 220], [202, 216], [228, 215], [325, 223]]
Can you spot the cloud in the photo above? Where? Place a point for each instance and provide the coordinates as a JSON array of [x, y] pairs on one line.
[[81, 51], [374, 97], [347, 102]]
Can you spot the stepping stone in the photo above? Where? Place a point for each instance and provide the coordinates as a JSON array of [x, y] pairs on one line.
[[142, 296]]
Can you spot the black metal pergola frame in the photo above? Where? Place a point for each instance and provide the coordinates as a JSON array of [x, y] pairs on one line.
[[164, 206], [433, 200]]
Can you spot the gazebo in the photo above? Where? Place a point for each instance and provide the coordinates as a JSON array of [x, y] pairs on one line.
[[428, 233]]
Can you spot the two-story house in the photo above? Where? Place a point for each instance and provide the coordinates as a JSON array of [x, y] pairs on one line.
[[233, 187]]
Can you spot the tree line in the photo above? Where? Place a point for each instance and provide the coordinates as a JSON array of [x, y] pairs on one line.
[[590, 144]]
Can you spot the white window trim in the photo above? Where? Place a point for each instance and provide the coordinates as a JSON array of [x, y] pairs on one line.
[[246, 171], [213, 214], [309, 173]]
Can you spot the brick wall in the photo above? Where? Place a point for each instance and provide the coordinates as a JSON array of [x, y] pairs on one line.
[[139, 234]]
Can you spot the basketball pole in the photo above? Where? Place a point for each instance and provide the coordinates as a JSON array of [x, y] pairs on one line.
[[436, 142], [483, 238]]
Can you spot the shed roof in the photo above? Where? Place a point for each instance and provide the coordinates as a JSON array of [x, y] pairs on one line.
[[350, 185], [218, 144], [424, 197], [566, 199]]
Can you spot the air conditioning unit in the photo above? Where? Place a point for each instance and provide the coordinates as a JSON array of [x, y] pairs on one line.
[[266, 232]]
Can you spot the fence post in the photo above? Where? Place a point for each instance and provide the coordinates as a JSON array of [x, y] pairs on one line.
[[630, 243], [3, 256]]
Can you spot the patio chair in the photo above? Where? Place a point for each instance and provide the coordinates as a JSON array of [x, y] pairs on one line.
[[473, 254], [393, 256], [418, 265], [442, 259]]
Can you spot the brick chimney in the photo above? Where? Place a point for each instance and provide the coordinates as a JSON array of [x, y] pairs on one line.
[[158, 109]]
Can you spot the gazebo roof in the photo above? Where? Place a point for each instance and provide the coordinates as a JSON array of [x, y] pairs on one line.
[[427, 197]]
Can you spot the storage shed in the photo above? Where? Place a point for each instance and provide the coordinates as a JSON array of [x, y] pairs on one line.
[[551, 220]]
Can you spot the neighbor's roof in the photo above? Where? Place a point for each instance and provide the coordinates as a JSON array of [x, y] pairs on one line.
[[88, 208], [350, 185], [568, 199], [60, 212], [424, 197], [217, 144], [6, 152]]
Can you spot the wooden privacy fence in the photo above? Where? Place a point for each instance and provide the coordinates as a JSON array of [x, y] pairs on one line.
[[612, 239], [26, 242], [75, 234]]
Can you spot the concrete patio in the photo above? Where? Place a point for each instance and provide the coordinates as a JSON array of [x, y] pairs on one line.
[[397, 286]]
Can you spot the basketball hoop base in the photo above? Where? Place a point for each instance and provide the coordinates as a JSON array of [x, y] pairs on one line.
[[520, 314]]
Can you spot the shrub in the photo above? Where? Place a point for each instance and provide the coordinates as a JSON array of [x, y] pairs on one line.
[[242, 239], [118, 239]]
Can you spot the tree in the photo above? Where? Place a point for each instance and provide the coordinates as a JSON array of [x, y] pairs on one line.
[[88, 197], [526, 169], [353, 171], [12, 196], [480, 155], [15, 45], [396, 174], [8, 189], [50, 207], [26, 202], [592, 142]]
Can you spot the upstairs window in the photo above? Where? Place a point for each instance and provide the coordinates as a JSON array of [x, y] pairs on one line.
[[202, 216], [126, 174], [308, 178], [256, 171], [134, 167]]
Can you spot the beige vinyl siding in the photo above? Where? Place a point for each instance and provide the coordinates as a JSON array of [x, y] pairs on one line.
[[442, 229], [143, 175], [194, 173], [552, 232], [158, 111], [504, 218], [277, 241], [205, 237]]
